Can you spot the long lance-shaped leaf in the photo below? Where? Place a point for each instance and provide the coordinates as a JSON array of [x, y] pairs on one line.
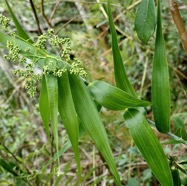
[[20, 30], [145, 20], [7, 167], [149, 146], [69, 115], [176, 177], [121, 79], [22, 45], [112, 97], [44, 106], [89, 117], [33, 52], [160, 81], [52, 91]]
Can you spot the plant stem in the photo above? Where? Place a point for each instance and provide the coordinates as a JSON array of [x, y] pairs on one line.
[[170, 134], [36, 16]]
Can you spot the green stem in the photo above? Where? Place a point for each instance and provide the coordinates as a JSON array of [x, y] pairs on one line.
[[170, 134]]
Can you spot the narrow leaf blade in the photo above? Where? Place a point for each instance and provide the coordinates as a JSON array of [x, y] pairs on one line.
[[149, 146], [145, 20], [20, 30], [44, 107], [121, 79], [52, 91], [160, 81], [87, 112], [112, 97], [22, 46], [176, 177], [69, 115]]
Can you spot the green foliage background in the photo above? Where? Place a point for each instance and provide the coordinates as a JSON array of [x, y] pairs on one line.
[[21, 129]]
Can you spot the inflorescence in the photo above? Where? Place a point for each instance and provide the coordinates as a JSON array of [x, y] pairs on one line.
[[4, 21], [52, 62]]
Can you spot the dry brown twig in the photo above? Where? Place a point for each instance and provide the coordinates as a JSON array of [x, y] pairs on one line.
[[44, 15], [36, 17], [178, 22]]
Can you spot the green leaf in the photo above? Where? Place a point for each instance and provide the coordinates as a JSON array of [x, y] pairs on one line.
[[44, 107], [19, 28], [89, 117], [160, 81], [7, 167], [69, 115], [145, 20], [52, 91], [121, 79], [149, 146], [33, 51], [176, 177], [112, 97]]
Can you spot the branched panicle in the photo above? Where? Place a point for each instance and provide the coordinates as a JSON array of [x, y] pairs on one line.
[[52, 66], [31, 78]]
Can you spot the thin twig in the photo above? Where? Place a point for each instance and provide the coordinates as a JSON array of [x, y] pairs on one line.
[[93, 159], [56, 22], [87, 2], [170, 134], [68, 22], [55, 9], [45, 17], [83, 14], [36, 16], [178, 22], [52, 154], [144, 75], [17, 160], [119, 15], [178, 72]]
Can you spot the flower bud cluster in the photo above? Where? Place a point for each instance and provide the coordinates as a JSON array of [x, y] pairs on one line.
[[77, 69], [31, 78], [13, 52], [4, 21], [65, 46], [51, 68], [30, 86], [41, 42]]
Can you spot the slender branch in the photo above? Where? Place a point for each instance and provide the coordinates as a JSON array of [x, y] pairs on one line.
[[11, 154], [83, 14], [55, 9], [36, 16], [45, 17], [52, 154], [16, 159], [56, 22], [68, 22], [178, 22], [118, 16], [170, 134]]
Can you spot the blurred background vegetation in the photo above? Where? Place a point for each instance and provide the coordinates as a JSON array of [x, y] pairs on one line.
[[23, 143]]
